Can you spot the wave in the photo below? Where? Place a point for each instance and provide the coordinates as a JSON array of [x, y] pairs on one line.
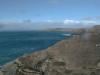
[[68, 34]]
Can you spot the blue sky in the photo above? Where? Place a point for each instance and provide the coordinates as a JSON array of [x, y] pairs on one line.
[[38, 10], [68, 11]]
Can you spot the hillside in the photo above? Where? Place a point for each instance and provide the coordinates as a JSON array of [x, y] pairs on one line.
[[79, 55]]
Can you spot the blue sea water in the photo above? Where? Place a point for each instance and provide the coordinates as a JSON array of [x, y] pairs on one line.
[[15, 44]]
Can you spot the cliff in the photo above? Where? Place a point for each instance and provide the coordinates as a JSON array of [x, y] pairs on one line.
[[79, 55]]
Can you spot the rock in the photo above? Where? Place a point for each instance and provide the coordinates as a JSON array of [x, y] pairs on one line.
[[1, 73], [75, 56]]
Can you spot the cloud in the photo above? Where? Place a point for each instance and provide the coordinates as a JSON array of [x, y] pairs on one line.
[[28, 25], [88, 18], [85, 22], [98, 17], [89, 22], [92, 18], [15, 26], [68, 21], [49, 21], [79, 23]]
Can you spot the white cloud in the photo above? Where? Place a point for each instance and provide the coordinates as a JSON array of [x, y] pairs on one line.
[[89, 22], [85, 22], [68, 21], [49, 20], [79, 23]]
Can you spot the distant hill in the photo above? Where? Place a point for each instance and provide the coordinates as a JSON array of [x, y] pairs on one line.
[[71, 30]]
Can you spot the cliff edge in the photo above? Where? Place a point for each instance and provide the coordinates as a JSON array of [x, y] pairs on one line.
[[79, 55]]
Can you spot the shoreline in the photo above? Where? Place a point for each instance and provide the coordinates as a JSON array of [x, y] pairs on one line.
[[38, 50], [7, 66], [77, 55], [27, 54]]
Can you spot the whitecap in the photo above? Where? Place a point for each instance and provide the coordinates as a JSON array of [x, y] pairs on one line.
[[67, 34]]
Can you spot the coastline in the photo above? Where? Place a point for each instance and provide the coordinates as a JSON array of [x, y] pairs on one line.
[[44, 52], [26, 43], [27, 54], [69, 56]]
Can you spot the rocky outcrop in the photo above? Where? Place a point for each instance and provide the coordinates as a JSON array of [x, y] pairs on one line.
[[75, 56]]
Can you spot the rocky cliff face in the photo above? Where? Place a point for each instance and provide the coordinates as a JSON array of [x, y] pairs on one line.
[[75, 56]]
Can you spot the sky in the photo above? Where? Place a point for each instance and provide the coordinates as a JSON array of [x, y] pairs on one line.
[[68, 12]]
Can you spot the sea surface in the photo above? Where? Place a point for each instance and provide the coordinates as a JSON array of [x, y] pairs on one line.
[[16, 44]]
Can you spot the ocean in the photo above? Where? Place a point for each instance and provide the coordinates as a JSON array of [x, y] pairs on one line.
[[16, 44]]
